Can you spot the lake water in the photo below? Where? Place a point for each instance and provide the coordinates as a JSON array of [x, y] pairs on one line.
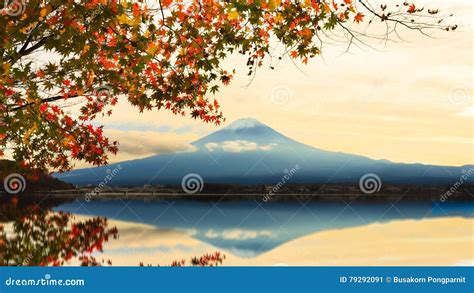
[[286, 233]]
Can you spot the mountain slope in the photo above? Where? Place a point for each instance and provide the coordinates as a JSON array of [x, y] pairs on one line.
[[249, 152]]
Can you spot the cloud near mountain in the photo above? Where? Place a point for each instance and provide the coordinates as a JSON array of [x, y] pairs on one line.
[[238, 146], [134, 144]]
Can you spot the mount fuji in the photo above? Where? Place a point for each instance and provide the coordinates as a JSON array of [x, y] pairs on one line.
[[250, 152]]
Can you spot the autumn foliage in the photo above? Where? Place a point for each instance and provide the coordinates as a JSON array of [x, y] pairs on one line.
[[207, 260], [45, 238], [61, 55], [40, 237]]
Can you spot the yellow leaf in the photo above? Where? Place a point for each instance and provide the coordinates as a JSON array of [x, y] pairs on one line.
[[278, 18], [30, 99], [233, 15], [274, 4], [326, 8], [27, 135], [69, 139], [43, 12], [152, 49], [90, 78], [123, 18], [136, 21], [6, 68], [85, 49]]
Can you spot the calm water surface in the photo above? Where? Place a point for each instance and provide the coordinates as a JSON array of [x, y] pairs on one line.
[[252, 233]]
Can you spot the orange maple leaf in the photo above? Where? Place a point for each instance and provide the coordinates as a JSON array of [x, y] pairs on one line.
[[359, 17], [40, 73], [166, 3]]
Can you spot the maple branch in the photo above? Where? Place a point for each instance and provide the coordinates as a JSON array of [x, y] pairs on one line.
[[47, 100], [387, 18]]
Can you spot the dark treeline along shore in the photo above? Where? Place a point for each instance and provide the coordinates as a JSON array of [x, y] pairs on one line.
[[264, 193], [47, 189]]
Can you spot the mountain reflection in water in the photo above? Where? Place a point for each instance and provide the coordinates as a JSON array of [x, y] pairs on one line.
[[249, 229]]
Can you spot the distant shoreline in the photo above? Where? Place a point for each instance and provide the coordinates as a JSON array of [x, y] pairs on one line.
[[437, 194]]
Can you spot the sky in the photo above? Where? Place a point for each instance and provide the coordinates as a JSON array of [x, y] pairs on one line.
[[406, 101]]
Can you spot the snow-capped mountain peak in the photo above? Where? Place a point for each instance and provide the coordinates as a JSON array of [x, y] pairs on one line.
[[244, 123], [248, 130]]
